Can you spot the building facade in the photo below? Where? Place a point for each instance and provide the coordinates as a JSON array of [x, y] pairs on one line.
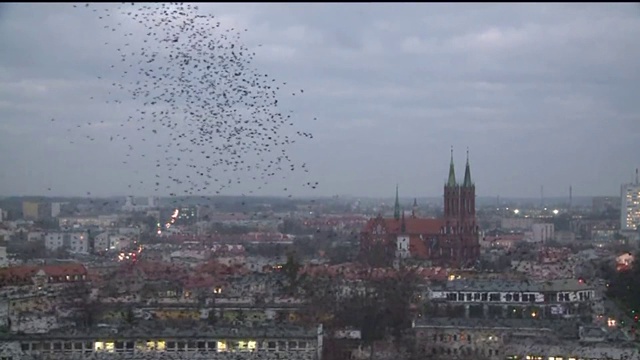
[[74, 242], [452, 240], [630, 205], [219, 343]]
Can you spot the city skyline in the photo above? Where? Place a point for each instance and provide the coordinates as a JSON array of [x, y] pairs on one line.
[[541, 97]]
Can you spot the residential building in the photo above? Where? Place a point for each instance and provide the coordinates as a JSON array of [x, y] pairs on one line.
[[30, 210], [74, 242], [155, 340], [512, 299], [517, 339], [542, 233], [4, 261], [630, 205]]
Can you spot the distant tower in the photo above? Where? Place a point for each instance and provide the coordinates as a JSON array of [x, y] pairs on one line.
[[637, 180], [541, 196], [414, 210], [451, 195], [570, 197], [403, 225], [467, 214], [396, 208], [467, 194]]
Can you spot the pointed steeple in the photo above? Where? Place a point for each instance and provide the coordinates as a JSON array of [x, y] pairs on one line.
[[452, 172], [414, 210], [467, 173], [403, 225], [396, 209]]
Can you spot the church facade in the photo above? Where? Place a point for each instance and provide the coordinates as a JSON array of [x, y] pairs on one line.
[[451, 241]]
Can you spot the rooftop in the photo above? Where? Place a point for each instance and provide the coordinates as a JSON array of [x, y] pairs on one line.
[[157, 329], [517, 286]]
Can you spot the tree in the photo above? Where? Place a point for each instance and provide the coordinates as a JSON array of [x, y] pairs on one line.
[[78, 296], [212, 318], [380, 308], [241, 317], [129, 316], [291, 270]]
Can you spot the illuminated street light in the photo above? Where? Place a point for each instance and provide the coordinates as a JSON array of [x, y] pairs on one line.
[[516, 211], [555, 211]]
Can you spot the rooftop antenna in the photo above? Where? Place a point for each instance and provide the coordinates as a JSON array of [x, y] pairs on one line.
[[637, 176]]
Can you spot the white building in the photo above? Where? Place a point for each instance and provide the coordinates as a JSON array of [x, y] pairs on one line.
[[74, 242], [55, 209], [4, 261], [111, 242], [630, 205], [542, 233]]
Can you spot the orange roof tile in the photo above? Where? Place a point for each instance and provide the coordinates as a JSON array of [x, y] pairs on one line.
[[413, 225]]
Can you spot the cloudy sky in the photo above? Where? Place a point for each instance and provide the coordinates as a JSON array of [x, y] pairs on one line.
[[542, 94]]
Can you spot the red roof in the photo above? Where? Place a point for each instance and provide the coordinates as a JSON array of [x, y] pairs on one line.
[[412, 225], [17, 275]]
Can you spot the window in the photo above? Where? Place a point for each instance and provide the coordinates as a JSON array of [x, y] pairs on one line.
[[509, 297], [476, 297], [525, 297], [271, 346], [25, 346], [516, 297], [221, 346], [494, 297], [484, 296]]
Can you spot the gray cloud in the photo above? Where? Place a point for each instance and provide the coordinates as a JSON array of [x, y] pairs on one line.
[[543, 94]]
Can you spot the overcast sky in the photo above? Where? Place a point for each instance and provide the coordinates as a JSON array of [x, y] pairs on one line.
[[542, 94]]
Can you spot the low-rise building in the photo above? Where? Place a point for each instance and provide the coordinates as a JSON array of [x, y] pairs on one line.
[[512, 299], [74, 242], [155, 341]]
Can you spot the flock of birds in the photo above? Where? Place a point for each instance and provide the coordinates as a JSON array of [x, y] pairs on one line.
[[216, 119]]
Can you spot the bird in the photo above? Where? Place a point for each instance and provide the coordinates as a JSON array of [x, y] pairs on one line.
[[198, 95]]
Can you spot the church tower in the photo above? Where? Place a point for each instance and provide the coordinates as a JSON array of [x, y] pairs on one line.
[[467, 195], [396, 208], [452, 196], [468, 215]]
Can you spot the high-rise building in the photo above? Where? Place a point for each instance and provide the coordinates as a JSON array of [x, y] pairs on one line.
[[30, 210], [630, 205]]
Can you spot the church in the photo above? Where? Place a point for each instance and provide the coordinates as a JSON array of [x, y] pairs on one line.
[[451, 241]]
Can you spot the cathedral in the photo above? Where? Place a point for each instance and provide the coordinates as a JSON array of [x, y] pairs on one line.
[[451, 241]]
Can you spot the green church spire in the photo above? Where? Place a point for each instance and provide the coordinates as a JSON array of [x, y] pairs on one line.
[[467, 174], [396, 209], [452, 173]]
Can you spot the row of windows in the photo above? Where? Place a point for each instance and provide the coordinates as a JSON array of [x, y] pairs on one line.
[[171, 345], [495, 297], [514, 297], [539, 357], [467, 351], [450, 338]]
